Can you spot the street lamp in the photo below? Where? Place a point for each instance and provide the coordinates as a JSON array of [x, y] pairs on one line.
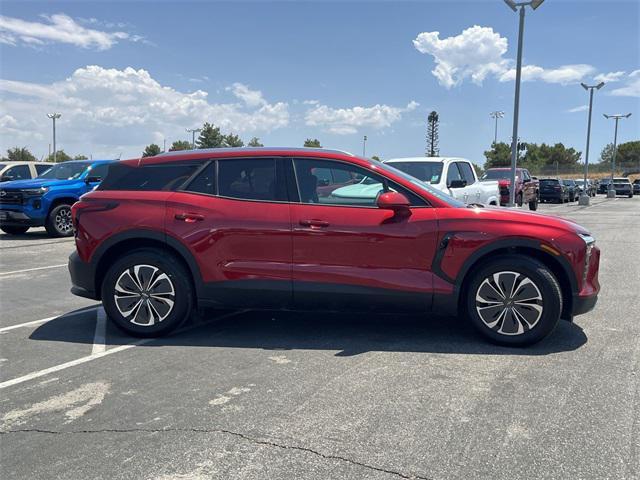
[[611, 192], [534, 4], [364, 145], [193, 135], [496, 115], [584, 198], [54, 116]]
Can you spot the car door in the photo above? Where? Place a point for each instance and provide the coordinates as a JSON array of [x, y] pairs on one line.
[[349, 254], [472, 190], [234, 218]]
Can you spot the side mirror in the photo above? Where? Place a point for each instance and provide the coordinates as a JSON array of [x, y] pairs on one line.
[[458, 184], [394, 201], [6, 178], [93, 179], [526, 180]]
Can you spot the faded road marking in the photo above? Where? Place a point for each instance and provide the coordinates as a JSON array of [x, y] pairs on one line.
[[32, 269], [280, 359], [77, 402], [228, 395], [100, 336]]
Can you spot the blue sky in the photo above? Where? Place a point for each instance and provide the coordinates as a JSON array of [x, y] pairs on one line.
[[125, 74]]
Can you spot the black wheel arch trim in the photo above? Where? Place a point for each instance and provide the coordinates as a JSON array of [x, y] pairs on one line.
[[148, 234]]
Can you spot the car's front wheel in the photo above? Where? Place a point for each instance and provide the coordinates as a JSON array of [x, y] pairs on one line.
[[58, 223], [514, 300], [147, 293]]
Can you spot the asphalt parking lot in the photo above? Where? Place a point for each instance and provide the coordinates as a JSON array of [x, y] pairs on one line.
[[283, 395]]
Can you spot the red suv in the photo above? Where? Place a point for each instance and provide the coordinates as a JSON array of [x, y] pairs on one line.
[[255, 228]]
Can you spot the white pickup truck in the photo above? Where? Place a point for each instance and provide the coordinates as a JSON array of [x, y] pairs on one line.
[[455, 176]]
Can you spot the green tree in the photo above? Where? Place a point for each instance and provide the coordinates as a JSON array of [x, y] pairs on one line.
[[232, 140], [433, 121], [18, 154], [60, 157], [255, 142], [151, 150], [479, 170], [375, 157], [81, 157], [180, 145], [628, 156], [315, 143], [210, 137], [498, 156]]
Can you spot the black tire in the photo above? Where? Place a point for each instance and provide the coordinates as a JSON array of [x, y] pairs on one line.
[[546, 288], [533, 205], [58, 223], [14, 230], [519, 200], [145, 320]]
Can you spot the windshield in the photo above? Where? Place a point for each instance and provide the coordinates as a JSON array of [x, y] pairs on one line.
[[422, 186], [65, 171], [498, 175], [425, 171]]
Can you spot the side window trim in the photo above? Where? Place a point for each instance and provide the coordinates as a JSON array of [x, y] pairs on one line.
[[184, 186]]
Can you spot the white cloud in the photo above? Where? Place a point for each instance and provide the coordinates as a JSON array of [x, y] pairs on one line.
[[609, 77], [564, 75], [478, 52], [59, 28], [475, 53], [343, 121], [253, 98], [581, 108], [631, 87], [112, 110]]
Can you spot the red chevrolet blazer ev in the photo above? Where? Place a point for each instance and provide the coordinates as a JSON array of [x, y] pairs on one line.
[[279, 228]]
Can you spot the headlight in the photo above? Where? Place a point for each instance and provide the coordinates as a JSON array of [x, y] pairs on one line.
[[590, 242], [35, 191]]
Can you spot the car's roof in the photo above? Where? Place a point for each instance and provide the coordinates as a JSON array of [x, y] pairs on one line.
[[10, 163], [423, 159], [201, 153]]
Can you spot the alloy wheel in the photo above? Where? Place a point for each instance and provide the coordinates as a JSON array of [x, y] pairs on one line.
[[509, 303], [144, 295], [63, 221]]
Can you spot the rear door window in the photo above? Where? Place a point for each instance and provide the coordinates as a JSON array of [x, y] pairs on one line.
[[205, 181], [251, 179], [165, 176]]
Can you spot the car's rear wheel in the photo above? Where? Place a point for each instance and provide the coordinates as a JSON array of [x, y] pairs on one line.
[[14, 230], [58, 223], [519, 200], [514, 300], [147, 293]]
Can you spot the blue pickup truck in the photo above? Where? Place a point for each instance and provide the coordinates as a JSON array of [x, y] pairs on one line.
[[46, 200]]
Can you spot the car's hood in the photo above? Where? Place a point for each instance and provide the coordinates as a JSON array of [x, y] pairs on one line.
[[359, 190], [526, 217], [36, 183]]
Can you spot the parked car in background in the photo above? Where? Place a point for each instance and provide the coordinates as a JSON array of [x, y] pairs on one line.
[[249, 227], [455, 176], [571, 189], [553, 190], [22, 170], [603, 185], [590, 190], [636, 186], [622, 186], [46, 200], [526, 189]]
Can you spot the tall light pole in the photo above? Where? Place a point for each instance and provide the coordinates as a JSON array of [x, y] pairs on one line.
[[516, 104], [584, 198], [611, 192], [496, 115], [364, 146], [193, 131], [54, 116]]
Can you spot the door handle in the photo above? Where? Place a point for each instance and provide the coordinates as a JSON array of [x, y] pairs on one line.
[[189, 217], [314, 223]]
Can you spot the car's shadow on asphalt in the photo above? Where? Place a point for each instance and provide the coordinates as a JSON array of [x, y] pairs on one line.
[[347, 335]]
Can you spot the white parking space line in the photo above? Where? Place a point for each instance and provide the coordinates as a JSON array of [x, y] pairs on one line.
[[100, 336], [95, 356], [44, 320], [33, 269], [72, 363]]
